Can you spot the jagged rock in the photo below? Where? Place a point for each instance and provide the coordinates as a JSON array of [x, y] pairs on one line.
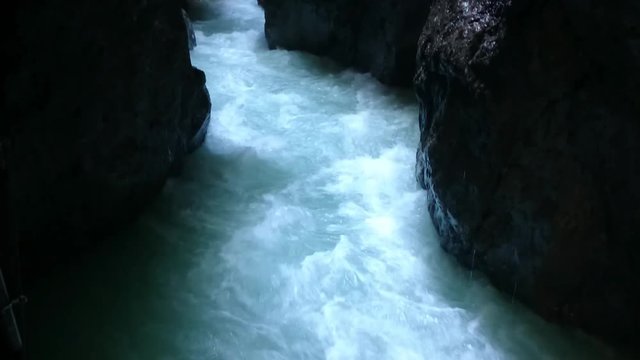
[[101, 104], [375, 36], [530, 151]]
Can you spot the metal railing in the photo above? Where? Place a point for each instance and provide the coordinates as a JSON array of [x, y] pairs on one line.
[[9, 323]]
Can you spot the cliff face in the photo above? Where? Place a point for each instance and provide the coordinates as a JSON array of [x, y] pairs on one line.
[[101, 103], [530, 151], [376, 36]]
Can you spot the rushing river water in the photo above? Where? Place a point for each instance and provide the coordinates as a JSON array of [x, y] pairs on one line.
[[296, 232]]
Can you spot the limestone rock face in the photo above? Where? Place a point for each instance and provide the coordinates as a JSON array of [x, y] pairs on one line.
[[530, 151], [375, 36], [100, 104]]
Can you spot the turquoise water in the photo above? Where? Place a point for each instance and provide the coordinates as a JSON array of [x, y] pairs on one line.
[[296, 232]]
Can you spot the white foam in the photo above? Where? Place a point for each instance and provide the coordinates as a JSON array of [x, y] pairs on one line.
[[328, 252]]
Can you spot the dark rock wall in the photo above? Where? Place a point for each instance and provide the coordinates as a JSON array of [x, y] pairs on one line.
[[199, 9], [375, 36], [530, 151], [100, 104]]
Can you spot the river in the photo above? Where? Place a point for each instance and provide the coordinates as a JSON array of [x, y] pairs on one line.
[[296, 232]]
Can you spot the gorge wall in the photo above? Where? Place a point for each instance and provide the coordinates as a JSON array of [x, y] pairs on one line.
[[530, 151], [530, 136], [375, 36], [100, 104]]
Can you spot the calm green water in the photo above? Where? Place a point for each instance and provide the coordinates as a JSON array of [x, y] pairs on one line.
[[296, 232]]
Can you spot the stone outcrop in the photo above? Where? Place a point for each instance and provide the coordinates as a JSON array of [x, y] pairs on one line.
[[101, 104], [530, 151], [375, 36]]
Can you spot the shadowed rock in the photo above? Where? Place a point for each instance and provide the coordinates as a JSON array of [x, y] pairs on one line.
[[375, 36], [530, 151], [199, 9], [102, 103]]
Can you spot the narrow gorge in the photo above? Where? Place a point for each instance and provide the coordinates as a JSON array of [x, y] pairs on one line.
[[238, 179]]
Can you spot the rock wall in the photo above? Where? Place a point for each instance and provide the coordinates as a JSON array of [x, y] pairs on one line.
[[100, 104], [530, 151], [375, 36], [199, 9]]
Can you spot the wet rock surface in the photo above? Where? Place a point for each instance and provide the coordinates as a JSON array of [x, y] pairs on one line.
[[530, 151]]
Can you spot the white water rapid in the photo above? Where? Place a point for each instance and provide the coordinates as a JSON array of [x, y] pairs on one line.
[[297, 232]]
